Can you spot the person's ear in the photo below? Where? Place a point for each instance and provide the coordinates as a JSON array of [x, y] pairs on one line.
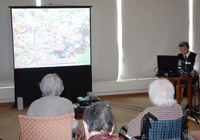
[[112, 130]]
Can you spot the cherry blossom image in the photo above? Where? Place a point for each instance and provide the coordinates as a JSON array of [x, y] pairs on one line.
[[51, 37]]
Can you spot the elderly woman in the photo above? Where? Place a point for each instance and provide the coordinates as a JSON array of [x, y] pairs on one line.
[[98, 122], [161, 94], [51, 104]]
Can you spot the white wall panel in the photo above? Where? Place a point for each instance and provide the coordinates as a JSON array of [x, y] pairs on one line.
[[151, 28], [196, 27]]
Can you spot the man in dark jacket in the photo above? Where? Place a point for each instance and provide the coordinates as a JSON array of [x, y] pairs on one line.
[[191, 65]]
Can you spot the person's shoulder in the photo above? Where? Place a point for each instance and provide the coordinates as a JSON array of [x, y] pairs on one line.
[[64, 99], [113, 137], [193, 53], [54, 99], [36, 101], [162, 107], [174, 108], [149, 109], [156, 109], [177, 106], [34, 106], [180, 54]]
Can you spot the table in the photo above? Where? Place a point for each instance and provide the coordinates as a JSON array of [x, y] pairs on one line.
[[178, 80], [78, 111]]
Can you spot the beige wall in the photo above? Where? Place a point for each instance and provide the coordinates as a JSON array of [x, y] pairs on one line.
[[149, 28]]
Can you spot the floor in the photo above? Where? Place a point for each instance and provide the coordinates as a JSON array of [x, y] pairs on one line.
[[124, 108]]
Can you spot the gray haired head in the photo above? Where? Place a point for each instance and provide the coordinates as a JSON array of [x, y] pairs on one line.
[[161, 93], [51, 84], [99, 117]]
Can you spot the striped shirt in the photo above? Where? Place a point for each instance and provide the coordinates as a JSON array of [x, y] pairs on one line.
[[161, 112]]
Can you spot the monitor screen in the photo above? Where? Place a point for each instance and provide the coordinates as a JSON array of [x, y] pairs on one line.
[[167, 62], [51, 36]]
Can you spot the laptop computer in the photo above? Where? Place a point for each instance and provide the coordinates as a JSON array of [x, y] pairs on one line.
[[167, 65]]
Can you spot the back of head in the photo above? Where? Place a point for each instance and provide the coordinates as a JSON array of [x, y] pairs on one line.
[[51, 84], [161, 93], [99, 117]]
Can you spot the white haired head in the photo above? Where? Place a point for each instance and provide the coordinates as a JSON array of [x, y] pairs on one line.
[[161, 93]]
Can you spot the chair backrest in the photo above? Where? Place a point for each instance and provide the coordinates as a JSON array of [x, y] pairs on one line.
[[48, 128], [166, 129]]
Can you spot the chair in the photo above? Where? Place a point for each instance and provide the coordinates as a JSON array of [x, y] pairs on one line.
[[194, 134], [48, 128], [196, 91], [81, 136]]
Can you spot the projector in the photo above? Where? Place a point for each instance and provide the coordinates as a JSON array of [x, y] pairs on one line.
[[87, 100]]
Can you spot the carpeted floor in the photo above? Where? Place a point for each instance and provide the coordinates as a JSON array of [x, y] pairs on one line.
[[124, 108]]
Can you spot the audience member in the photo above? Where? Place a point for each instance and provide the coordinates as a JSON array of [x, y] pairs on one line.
[[98, 122], [51, 104], [161, 93]]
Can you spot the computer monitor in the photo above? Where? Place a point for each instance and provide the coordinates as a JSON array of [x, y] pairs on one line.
[[167, 65]]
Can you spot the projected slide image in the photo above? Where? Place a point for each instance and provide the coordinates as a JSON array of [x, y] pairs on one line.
[[51, 37]]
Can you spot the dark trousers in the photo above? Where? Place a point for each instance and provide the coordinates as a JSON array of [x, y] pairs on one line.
[[186, 87]]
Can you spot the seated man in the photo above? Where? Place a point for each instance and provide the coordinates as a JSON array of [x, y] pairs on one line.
[[191, 65], [98, 122], [51, 104], [161, 94]]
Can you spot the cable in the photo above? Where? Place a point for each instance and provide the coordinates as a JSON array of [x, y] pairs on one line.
[[155, 70]]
